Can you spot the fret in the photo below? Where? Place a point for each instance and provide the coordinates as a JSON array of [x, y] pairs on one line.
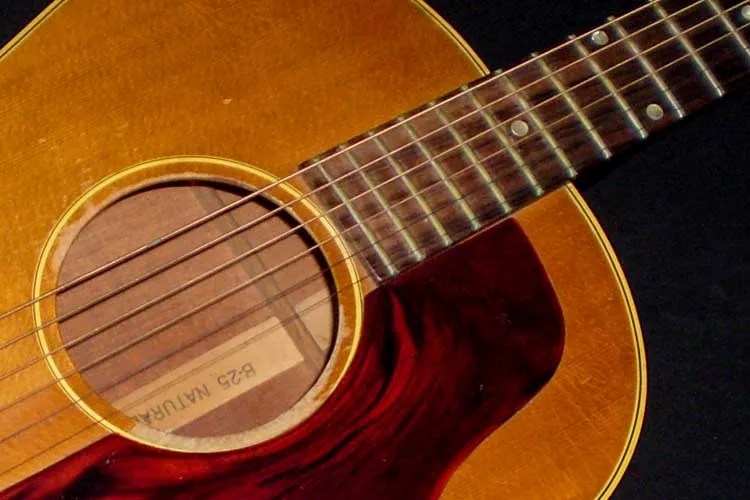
[[569, 132], [448, 182], [716, 45], [426, 180], [689, 47], [670, 59], [395, 192], [477, 115], [634, 121], [421, 173], [415, 193], [507, 144], [565, 136], [436, 175], [730, 27], [473, 160], [343, 167], [561, 156], [401, 229], [648, 109], [571, 102], [439, 136], [648, 67], [360, 224]]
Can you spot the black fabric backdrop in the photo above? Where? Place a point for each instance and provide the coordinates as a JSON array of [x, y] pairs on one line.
[[677, 211]]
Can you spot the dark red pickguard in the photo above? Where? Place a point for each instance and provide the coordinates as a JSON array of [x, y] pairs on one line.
[[449, 351]]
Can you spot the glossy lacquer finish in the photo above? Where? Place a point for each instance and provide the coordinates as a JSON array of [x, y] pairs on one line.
[[449, 351], [100, 85]]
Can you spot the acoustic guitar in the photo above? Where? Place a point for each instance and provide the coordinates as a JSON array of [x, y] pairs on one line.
[[282, 249]]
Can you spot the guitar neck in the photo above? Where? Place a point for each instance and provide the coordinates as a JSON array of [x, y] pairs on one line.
[[434, 176]]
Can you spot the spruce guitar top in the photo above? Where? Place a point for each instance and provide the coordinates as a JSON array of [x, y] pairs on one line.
[[232, 272]]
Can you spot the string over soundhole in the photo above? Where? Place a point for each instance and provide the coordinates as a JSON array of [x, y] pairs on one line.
[[214, 344], [204, 339]]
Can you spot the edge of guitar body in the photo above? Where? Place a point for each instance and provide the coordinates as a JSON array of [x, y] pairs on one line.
[[21, 35], [581, 430], [577, 436]]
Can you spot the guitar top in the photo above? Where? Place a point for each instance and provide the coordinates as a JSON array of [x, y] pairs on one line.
[[264, 254]]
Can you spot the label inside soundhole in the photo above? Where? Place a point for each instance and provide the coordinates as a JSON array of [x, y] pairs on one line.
[[214, 344]]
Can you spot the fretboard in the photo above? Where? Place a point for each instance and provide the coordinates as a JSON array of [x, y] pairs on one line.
[[436, 175]]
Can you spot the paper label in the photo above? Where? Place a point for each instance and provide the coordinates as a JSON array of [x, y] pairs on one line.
[[213, 378]]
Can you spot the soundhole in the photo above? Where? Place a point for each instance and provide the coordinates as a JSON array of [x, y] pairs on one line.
[[212, 345]]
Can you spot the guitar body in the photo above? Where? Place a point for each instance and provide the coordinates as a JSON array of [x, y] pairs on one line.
[[511, 365]]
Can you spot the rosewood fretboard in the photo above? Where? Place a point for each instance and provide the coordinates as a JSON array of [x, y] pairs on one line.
[[434, 176]]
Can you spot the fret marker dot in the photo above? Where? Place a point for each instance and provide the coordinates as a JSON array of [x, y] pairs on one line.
[[519, 128], [600, 38], [745, 13], [655, 112]]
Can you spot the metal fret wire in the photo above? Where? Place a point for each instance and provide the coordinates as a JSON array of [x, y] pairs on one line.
[[202, 220], [266, 244], [207, 274], [312, 306], [729, 26], [266, 216]]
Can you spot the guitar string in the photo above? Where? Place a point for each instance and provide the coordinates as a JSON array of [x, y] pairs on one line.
[[263, 275], [59, 442], [490, 79], [192, 282], [178, 349], [225, 236], [147, 305], [245, 313]]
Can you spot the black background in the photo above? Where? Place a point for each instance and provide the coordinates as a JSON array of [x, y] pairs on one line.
[[677, 211]]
